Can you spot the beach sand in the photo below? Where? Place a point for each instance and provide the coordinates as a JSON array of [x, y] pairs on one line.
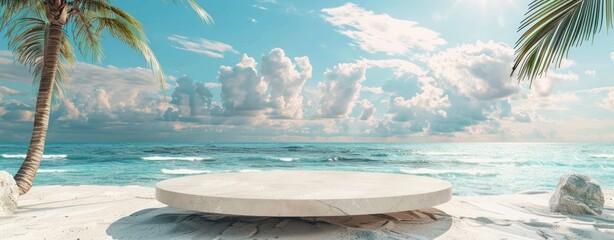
[[131, 212]]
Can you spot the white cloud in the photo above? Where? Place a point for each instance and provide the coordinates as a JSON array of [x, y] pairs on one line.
[[374, 90], [478, 70], [427, 107], [191, 98], [259, 7], [543, 86], [202, 46], [612, 56], [430, 98], [608, 102], [213, 85], [401, 67], [253, 20], [375, 33], [566, 63], [243, 91], [273, 87], [590, 72], [340, 89], [367, 110], [285, 83], [6, 91]]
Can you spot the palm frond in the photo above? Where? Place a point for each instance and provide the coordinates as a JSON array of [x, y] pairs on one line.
[[552, 28], [27, 38], [204, 16], [86, 36], [9, 9], [132, 35]]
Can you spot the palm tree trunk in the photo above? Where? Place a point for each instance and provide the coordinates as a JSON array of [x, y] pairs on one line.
[[27, 171]]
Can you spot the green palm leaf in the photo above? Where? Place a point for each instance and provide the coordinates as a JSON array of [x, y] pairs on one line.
[[36, 31], [27, 40], [552, 28]]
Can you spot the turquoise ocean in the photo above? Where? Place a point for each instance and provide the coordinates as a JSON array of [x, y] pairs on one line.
[[472, 168]]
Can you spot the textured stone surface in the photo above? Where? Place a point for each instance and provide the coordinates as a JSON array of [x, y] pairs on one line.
[[8, 194], [577, 194], [303, 193]]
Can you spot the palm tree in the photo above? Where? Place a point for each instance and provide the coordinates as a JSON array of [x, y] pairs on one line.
[[552, 27], [40, 32]]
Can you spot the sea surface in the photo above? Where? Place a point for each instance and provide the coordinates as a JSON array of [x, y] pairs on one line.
[[472, 168]]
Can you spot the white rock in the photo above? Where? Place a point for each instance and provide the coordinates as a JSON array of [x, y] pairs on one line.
[[8, 194], [577, 194]]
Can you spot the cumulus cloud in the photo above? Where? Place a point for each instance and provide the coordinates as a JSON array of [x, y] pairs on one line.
[[285, 83], [543, 86], [340, 89], [342, 85], [590, 72], [478, 70], [426, 106], [608, 102], [20, 115], [273, 87], [467, 86], [191, 98], [429, 99], [97, 99], [16, 111], [243, 91], [202, 46], [367, 110], [400, 67], [381, 33], [374, 90]]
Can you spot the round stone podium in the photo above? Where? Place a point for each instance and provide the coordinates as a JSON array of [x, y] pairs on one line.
[[303, 193]]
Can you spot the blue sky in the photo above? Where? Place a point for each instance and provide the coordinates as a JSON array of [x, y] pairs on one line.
[[281, 70]]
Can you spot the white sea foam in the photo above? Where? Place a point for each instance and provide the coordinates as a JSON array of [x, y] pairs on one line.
[[488, 160], [603, 155], [445, 171], [250, 170], [49, 156], [287, 159], [442, 153], [183, 171], [52, 171], [160, 158]]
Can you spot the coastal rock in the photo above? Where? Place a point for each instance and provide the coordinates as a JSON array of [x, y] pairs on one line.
[[8, 194], [577, 194]]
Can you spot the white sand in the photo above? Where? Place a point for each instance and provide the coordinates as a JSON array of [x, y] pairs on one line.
[[129, 212]]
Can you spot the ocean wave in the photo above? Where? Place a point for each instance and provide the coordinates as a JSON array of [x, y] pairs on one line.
[[488, 160], [340, 158], [52, 171], [442, 153], [603, 155], [183, 171], [287, 159], [160, 158], [49, 156], [444, 171], [250, 170], [380, 155]]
